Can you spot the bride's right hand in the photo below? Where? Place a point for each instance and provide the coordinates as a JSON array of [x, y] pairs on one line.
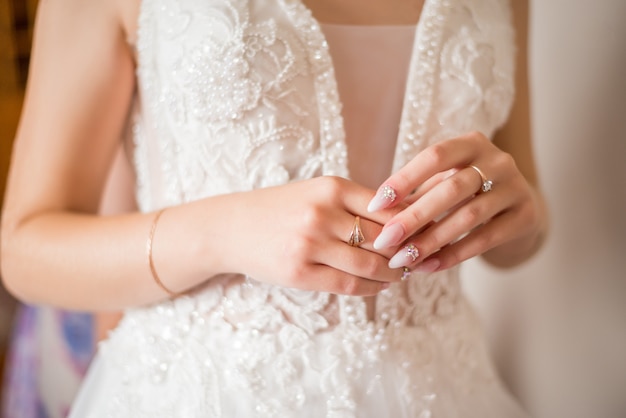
[[296, 236]]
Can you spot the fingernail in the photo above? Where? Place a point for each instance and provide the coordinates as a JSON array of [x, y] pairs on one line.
[[428, 266], [385, 286], [404, 257], [391, 235], [384, 197]]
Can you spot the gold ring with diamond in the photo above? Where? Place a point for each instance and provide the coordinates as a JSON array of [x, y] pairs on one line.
[[486, 185]]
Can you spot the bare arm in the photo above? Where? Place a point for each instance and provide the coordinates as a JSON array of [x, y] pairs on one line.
[[118, 198], [57, 250], [54, 247], [515, 139], [78, 95]]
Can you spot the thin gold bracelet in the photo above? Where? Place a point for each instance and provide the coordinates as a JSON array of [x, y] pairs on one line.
[[155, 276]]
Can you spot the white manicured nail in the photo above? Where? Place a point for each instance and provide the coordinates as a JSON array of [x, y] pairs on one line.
[[390, 236], [384, 197], [404, 257]]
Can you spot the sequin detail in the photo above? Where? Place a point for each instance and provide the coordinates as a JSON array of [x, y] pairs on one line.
[[412, 252], [388, 193], [234, 95]]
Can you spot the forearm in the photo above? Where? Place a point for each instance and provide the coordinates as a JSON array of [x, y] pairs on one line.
[[104, 322], [91, 262], [290, 235]]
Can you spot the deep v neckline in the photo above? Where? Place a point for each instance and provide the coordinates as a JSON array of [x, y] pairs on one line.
[[418, 92], [417, 106], [418, 89]]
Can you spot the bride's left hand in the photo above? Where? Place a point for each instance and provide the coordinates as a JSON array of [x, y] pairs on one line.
[[451, 218]]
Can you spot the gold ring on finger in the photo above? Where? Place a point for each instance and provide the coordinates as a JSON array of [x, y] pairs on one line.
[[356, 235], [487, 185]]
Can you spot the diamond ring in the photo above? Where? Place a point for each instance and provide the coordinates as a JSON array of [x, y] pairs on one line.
[[487, 185]]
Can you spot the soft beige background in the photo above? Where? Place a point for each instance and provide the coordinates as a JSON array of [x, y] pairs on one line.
[[558, 325]]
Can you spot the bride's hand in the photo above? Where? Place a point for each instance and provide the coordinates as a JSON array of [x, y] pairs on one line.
[[468, 197], [296, 236]]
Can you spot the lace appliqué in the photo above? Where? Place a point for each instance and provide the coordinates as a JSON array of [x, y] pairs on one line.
[[232, 98], [462, 74], [236, 94], [477, 72]]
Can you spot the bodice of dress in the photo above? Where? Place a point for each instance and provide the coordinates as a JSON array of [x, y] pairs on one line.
[[371, 64], [235, 95]]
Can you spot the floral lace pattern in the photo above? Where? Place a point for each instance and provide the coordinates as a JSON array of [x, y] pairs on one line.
[[240, 94]]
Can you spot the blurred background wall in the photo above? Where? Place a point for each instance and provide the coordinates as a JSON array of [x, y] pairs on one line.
[[558, 325], [16, 18]]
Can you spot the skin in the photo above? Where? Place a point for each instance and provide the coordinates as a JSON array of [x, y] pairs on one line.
[[84, 261], [118, 197], [508, 224]]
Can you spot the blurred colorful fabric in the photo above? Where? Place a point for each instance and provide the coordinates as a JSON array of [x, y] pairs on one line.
[[49, 355]]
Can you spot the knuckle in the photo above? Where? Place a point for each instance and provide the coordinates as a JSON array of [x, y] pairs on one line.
[[350, 286], [454, 186], [471, 215], [332, 187], [370, 266], [402, 181], [505, 161], [299, 249], [436, 154], [478, 136], [416, 220], [312, 218], [431, 242], [485, 241], [296, 274], [452, 258]]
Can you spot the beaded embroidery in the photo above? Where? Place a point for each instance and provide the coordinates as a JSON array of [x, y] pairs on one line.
[[236, 95]]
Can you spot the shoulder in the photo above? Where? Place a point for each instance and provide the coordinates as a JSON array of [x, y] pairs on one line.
[[128, 12], [79, 14]]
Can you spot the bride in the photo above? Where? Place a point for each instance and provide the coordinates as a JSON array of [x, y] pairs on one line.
[[310, 175]]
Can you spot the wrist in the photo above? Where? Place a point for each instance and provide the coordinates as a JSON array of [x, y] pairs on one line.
[[523, 248], [189, 247]]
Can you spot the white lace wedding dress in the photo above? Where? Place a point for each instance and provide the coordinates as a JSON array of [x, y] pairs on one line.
[[239, 94]]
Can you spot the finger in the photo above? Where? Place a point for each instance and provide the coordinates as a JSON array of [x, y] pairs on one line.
[[480, 240], [473, 213], [322, 278], [428, 185], [354, 198], [359, 262], [431, 207], [437, 158], [330, 247], [369, 229]]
